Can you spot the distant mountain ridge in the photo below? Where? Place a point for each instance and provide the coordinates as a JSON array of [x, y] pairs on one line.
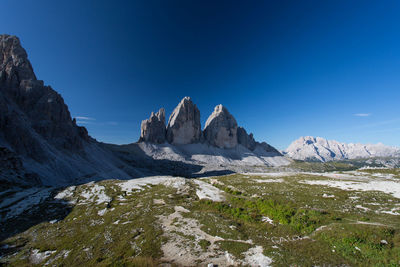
[[320, 149]]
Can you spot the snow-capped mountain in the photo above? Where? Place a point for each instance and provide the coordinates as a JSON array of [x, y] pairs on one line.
[[320, 149]]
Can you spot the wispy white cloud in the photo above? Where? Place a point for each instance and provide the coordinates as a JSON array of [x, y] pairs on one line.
[[362, 114], [93, 121], [83, 118], [84, 122]]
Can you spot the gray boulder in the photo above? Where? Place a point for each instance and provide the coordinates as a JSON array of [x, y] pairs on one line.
[[221, 128], [153, 129], [184, 124]]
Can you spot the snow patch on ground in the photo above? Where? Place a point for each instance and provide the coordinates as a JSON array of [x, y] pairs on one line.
[[95, 193], [66, 194], [207, 191]]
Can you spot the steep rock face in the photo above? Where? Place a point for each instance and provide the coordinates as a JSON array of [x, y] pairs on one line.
[[153, 129], [320, 149], [14, 63], [12, 171], [184, 124], [268, 148], [246, 140], [29, 109], [39, 142], [221, 128]]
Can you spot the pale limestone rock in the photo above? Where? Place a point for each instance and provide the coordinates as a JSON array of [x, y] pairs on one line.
[[184, 123], [221, 128], [153, 129]]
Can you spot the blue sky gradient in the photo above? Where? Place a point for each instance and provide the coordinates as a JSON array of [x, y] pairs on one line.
[[284, 69]]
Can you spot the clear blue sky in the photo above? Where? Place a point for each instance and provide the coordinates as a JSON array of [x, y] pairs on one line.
[[284, 69]]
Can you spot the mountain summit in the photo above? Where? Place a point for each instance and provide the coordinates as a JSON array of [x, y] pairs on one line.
[[220, 131], [320, 149], [37, 131]]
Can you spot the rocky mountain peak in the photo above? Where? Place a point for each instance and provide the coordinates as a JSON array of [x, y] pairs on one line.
[[221, 128], [14, 63], [153, 129], [184, 123], [32, 113], [161, 115], [321, 149]]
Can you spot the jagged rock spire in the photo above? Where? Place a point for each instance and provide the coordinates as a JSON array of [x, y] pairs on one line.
[[184, 123], [153, 129], [221, 128], [14, 64]]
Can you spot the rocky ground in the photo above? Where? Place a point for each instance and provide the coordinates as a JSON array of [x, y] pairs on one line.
[[300, 218]]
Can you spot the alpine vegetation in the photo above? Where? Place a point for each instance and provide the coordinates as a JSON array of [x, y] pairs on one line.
[[171, 149]]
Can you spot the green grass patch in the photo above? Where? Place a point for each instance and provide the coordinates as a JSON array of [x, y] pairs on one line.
[[235, 248], [204, 244], [364, 245], [303, 221]]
